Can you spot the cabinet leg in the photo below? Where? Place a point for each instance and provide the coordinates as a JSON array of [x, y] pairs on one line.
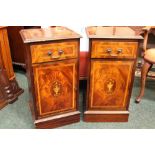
[[3, 102], [9, 89], [16, 89]]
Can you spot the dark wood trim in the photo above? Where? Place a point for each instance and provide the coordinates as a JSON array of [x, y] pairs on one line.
[[57, 121], [107, 116]]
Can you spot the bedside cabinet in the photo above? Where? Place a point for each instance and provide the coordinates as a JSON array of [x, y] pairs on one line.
[[113, 54], [52, 63]]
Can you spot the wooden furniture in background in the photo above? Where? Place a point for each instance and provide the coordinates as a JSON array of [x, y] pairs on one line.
[[16, 44], [6, 90], [3, 100], [52, 63], [9, 89], [113, 53], [149, 60]]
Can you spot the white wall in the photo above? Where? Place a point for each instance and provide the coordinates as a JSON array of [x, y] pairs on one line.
[[84, 40], [80, 30]]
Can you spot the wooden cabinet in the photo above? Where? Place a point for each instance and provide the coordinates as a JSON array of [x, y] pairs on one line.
[[113, 53], [52, 63], [9, 89]]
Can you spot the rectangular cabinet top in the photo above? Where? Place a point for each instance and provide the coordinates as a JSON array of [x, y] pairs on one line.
[[1, 27], [112, 32], [47, 34]]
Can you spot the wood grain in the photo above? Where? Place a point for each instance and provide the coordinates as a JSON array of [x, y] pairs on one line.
[[50, 52], [9, 87], [112, 32], [52, 64], [5, 51], [3, 101], [56, 87], [100, 48], [113, 53], [60, 120], [109, 116], [109, 84], [47, 34]]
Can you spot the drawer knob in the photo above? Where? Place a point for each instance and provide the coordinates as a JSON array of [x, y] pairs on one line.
[[109, 50], [49, 53], [120, 50], [60, 52]]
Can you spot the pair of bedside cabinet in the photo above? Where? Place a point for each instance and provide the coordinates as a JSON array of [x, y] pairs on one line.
[[52, 63]]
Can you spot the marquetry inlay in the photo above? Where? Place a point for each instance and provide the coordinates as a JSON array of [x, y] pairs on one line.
[[110, 86], [56, 88]]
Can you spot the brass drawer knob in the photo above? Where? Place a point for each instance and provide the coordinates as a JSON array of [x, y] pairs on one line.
[[109, 50], [60, 52], [49, 53], [120, 50]]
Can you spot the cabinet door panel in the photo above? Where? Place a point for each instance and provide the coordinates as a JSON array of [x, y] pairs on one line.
[[110, 83], [55, 87]]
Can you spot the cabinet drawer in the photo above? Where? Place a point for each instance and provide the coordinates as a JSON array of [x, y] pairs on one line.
[[113, 49], [54, 51]]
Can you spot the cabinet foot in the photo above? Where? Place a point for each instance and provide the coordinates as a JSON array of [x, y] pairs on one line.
[[106, 116], [58, 121], [15, 89]]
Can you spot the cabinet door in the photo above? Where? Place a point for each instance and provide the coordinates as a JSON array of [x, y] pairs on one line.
[[110, 84], [56, 87]]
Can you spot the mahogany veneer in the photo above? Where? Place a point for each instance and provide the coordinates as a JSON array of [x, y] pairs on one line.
[[112, 61], [52, 64]]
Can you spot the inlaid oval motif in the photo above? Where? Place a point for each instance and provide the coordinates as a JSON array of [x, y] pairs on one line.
[[56, 88], [110, 86]]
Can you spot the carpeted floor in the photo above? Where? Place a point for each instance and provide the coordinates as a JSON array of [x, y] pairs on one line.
[[142, 116]]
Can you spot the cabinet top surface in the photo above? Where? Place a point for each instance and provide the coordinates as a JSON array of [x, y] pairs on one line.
[[112, 32], [1, 27], [47, 34]]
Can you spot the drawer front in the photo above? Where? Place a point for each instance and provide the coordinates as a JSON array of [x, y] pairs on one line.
[[109, 49], [55, 87], [110, 84], [54, 51]]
